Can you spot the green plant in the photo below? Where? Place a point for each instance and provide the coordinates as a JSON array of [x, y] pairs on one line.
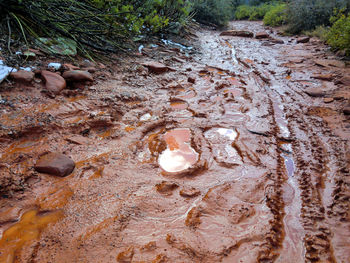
[[216, 12], [276, 16], [243, 12], [320, 32], [105, 25], [308, 14], [338, 36], [260, 11]]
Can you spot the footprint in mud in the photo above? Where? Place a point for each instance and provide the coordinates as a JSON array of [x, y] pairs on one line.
[[179, 155]]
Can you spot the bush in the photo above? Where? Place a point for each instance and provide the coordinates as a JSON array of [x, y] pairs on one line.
[[307, 15], [338, 36], [105, 25], [243, 12], [259, 12], [320, 32], [216, 12], [276, 16]]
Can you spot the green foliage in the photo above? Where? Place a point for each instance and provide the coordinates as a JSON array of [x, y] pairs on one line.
[[320, 32], [308, 14], [101, 24], [253, 12], [338, 36], [276, 16], [216, 12], [243, 12]]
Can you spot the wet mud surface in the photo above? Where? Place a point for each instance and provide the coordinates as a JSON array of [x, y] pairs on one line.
[[229, 156]]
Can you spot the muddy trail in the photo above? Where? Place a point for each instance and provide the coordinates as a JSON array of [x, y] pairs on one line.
[[236, 151]]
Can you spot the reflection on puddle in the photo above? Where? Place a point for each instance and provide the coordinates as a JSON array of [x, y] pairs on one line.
[[231, 134], [179, 105], [179, 155], [30, 226]]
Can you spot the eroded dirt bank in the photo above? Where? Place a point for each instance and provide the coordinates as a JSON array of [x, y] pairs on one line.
[[239, 153]]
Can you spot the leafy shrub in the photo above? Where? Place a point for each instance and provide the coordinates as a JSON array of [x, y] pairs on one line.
[[105, 25], [320, 32], [338, 36], [260, 11], [216, 12], [276, 16], [307, 14], [243, 12]]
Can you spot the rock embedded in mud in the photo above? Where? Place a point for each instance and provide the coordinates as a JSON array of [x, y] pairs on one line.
[[22, 76], [55, 164], [235, 33], [156, 67], [345, 81], [328, 100], [77, 76], [261, 35], [303, 40], [189, 192], [166, 187], [54, 83], [191, 79], [126, 256], [327, 77], [346, 110], [315, 92]]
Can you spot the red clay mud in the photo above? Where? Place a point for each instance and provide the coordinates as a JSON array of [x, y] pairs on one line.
[[225, 154]]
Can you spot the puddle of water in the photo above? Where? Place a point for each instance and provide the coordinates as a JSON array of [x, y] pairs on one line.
[[179, 105], [179, 155], [294, 231], [229, 133], [29, 228]]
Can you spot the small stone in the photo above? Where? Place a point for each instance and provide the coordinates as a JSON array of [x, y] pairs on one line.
[[126, 256], [189, 192], [166, 187], [156, 67], [327, 77], [346, 110], [303, 40], [55, 164], [67, 67], [261, 35], [54, 83], [191, 79], [345, 81], [315, 92], [77, 139], [328, 100], [22, 76], [235, 33], [277, 41], [77, 76]]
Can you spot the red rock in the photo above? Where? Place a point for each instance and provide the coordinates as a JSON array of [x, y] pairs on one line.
[[345, 81], [22, 76], [156, 67], [329, 63], [179, 60], [261, 35], [55, 164], [54, 83], [327, 77], [77, 76], [277, 41], [346, 110], [235, 33], [315, 92], [69, 67], [191, 79], [189, 192], [166, 187], [77, 139], [328, 100], [303, 40]]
